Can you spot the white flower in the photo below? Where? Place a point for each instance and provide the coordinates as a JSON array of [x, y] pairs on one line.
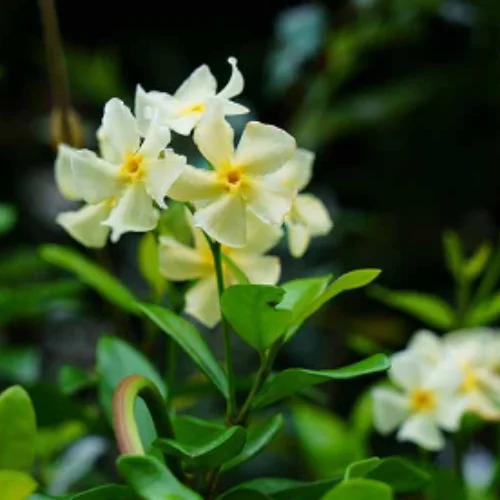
[[240, 179], [183, 110], [122, 186], [179, 262], [308, 216]]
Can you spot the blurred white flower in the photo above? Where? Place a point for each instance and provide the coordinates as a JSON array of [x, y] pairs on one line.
[[122, 186], [426, 402], [308, 216], [240, 181], [179, 262], [183, 110]]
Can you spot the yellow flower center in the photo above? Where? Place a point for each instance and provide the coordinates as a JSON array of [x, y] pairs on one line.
[[195, 108], [131, 169], [423, 400], [232, 178], [471, 381]]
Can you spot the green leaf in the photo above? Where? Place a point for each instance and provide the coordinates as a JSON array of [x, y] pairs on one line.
[[72, 379], [192, 430], [149, 262], [91, 274], [293, 380], [427, 308], [348, 281], [207, 453], [283, 489], [8, 218], [257, 439], [299, 295], [235, 269], [453, 253], [326, 442], [108, 492], [485, 313], [116, 360], [360, 489], [16, 485], [361, 468], [152, 480], [21, 364], [252, 311], [244, 495], [17, 430], [476, 264], [190, 340]]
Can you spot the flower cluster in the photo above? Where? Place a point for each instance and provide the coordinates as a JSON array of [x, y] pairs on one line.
[[437, 380], [241, 201]]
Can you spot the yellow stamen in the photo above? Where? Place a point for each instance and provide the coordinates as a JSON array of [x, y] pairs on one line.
[[233, 178], [423, 400], [195, 108], [471, 381], [131, 169]]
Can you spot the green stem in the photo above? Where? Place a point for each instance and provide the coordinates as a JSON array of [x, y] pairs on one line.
[[490, 277], [228, 356], [463, 300]]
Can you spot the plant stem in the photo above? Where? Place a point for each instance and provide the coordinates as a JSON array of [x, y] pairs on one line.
[[228, 356], [490, 277], [463, 299]]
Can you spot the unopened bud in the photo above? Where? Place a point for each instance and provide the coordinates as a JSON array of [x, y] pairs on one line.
[[66, 128]]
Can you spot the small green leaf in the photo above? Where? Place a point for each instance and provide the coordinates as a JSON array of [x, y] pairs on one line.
[[454, 253], [91, 274], [360, 489], [108, 492], [361, 468], [427, 308], [72, 379], [192, 430], [257, 439], [476, 264], [152, 480], [252, 311], [17, 430], [21, 364], [244, 495], [207, 453], [8, 218], [190, 340], [149, 262], [485, 313], [116, 360], [293, 380], [16, 485]]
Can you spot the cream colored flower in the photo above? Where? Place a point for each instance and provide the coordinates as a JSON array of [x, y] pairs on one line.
[[426, 401], [179, 262], [123, 185], [308, 216], [183, 110], [240, 180]]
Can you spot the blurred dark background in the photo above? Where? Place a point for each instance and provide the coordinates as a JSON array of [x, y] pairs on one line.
[[400, 99]]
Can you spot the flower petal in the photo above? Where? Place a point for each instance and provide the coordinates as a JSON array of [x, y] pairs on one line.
[[120, 126], [65, 180], [482, 405], [297, 171], [267, 201], [156, 140], [422, 430], [196, 184], [230, 108], [449, 412], [427, 346], [313, 213], [298, 237], [199, 86], [96, 178], [224, 220], [214, 137], [390, 408], [261, 237], [153, 105], [202, 302], [236, 82], [134, 212], [263, 149], [179, 262], [106, 151], [259, 269], [85, 225], [184, 124], [161, 174], [407, 371]]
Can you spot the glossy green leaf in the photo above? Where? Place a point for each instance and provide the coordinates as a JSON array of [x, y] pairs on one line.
[[299, 295], [254, 313], [326, 442], [108, 492], [152, 480], [116, 360], [283, 489], [91, 274], [348, 281], [17, 430], [453, 253], [293, 380], [427, 308], [16, 485], [207, 453], [190, 340], [361, 468], [73, 379], [192, 430], [8, 218], [244, 495], [360, 489], [257, 439], [485, 313], [149, 262], [477, 263]]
